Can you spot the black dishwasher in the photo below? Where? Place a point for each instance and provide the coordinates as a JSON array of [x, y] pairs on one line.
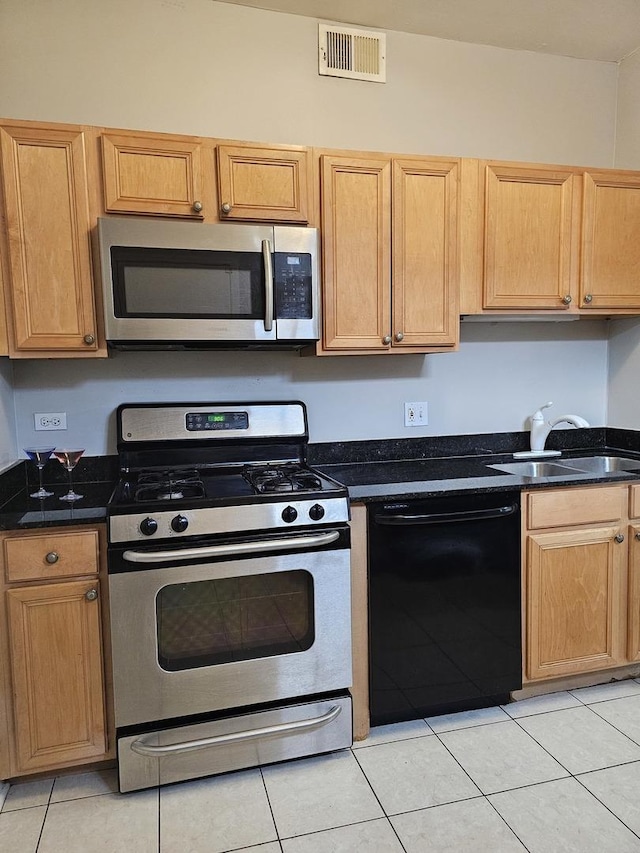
[[444, 604]]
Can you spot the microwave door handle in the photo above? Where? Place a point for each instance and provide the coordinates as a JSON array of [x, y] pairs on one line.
[[268, 285]]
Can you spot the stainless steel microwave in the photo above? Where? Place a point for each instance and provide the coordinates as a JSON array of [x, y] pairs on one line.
[[187, 285]]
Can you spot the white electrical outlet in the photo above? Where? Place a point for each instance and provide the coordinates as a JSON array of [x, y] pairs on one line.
[[416, 414], [50, 420]]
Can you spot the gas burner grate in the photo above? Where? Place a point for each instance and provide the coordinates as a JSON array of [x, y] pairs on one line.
[[167, 485], [281, 478]]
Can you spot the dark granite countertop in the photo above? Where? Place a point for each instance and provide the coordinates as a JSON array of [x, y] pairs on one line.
[[94, 478]]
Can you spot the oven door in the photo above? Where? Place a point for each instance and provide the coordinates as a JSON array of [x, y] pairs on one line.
[[221, 626]]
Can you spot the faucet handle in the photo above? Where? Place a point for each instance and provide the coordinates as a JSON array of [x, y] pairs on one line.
[[537, 415]]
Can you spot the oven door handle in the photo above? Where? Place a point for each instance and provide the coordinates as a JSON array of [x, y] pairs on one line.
[[268, 285], [315, 540], [143, 748]]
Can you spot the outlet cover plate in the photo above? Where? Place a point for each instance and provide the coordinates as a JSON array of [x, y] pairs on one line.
[[50, 420], [416, 414]]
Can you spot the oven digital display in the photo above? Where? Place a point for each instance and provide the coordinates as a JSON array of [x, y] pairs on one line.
[[202, 421]]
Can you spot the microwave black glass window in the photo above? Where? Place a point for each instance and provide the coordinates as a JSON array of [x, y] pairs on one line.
[[189, 283]]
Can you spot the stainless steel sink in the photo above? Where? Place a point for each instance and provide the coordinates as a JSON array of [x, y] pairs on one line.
[[603, 464], [535, 469], [600, 465]]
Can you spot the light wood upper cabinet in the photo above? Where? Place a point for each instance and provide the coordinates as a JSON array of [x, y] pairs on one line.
[[389, 230], [611, 240], [529, 229], [425, 253], [49, 282], [152, 174], [56, 656], [264, 183], [356, 253]]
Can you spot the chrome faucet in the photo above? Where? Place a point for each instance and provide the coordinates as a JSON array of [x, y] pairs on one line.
[[540, 428]]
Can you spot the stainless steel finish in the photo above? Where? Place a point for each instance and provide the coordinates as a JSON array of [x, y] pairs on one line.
[[599, 465], [619, 537], [233, 237], [567, 299], [143, 771], [226, 207], [603, 464], [588, 298], [386, 339], [197, 206], [89, 340], [143, 748], [265, 545], [52, 557], [144, 692], [205, 521], [399, 336], [91, 595], [535, 469], [268, 286], [638, 536], [168, 423]]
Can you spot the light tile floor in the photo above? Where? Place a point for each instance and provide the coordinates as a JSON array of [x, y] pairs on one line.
[[554, 773]]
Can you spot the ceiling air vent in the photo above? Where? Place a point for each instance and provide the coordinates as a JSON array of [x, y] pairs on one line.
[[357, 54]]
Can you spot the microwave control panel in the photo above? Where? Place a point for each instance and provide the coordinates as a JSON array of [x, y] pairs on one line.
[[292, 274]]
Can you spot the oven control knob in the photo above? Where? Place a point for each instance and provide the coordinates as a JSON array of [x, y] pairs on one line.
[[289, 514], [148, 526], [316, 512], [179, 524]]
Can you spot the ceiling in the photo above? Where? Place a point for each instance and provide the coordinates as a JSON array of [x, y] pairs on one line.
[[605, 30]]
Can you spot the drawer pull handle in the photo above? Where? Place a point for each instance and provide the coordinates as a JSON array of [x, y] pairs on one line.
[[91, 595], [52, 557], [619, 537]]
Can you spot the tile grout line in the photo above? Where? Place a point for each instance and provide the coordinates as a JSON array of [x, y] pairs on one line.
[[273, 817], [617, 817], [384, 811], [46, 814]]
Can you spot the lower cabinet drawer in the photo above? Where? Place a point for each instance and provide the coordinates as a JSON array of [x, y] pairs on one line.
[[58, 555], [562, 507]]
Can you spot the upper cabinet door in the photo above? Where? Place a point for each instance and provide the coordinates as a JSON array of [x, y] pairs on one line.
[[425, 253], [50, 279], [611, 240], [153, 175], [356, 242], [529, 235], [260, 183]]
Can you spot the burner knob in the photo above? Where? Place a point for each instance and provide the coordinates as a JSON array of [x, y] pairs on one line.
[[148, 526], [289, 514], [316, 512], [179, 524]]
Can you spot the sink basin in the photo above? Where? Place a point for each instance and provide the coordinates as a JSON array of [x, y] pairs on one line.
[[536, 469], [603, 464]]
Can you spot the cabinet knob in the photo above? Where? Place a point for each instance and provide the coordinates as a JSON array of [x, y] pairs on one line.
[[91, 594], [619, 537], [567, 299], [226, 207], [89, 340], [386, 339], [638, 536], [197, 206], [52, 557], [399, 336], [588, 298]]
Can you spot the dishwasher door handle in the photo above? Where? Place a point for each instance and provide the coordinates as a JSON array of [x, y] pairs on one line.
[[447, 517]]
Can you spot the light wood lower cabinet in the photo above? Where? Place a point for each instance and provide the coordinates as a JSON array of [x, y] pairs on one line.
[[575, 580], [52, 667]]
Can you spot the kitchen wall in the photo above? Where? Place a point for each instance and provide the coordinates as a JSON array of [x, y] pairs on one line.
[[197, 66], [624, 347], [8, 441]]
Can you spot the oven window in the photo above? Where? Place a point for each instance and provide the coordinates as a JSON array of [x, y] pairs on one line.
[[233, 619]]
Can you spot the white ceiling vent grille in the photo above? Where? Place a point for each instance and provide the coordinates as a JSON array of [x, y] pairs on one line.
[[357, 54]]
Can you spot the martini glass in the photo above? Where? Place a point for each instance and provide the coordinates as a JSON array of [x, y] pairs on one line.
[[69, 459], [40, 455]]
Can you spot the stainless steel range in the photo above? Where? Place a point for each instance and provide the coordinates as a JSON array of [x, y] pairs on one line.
[[229, 585]]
